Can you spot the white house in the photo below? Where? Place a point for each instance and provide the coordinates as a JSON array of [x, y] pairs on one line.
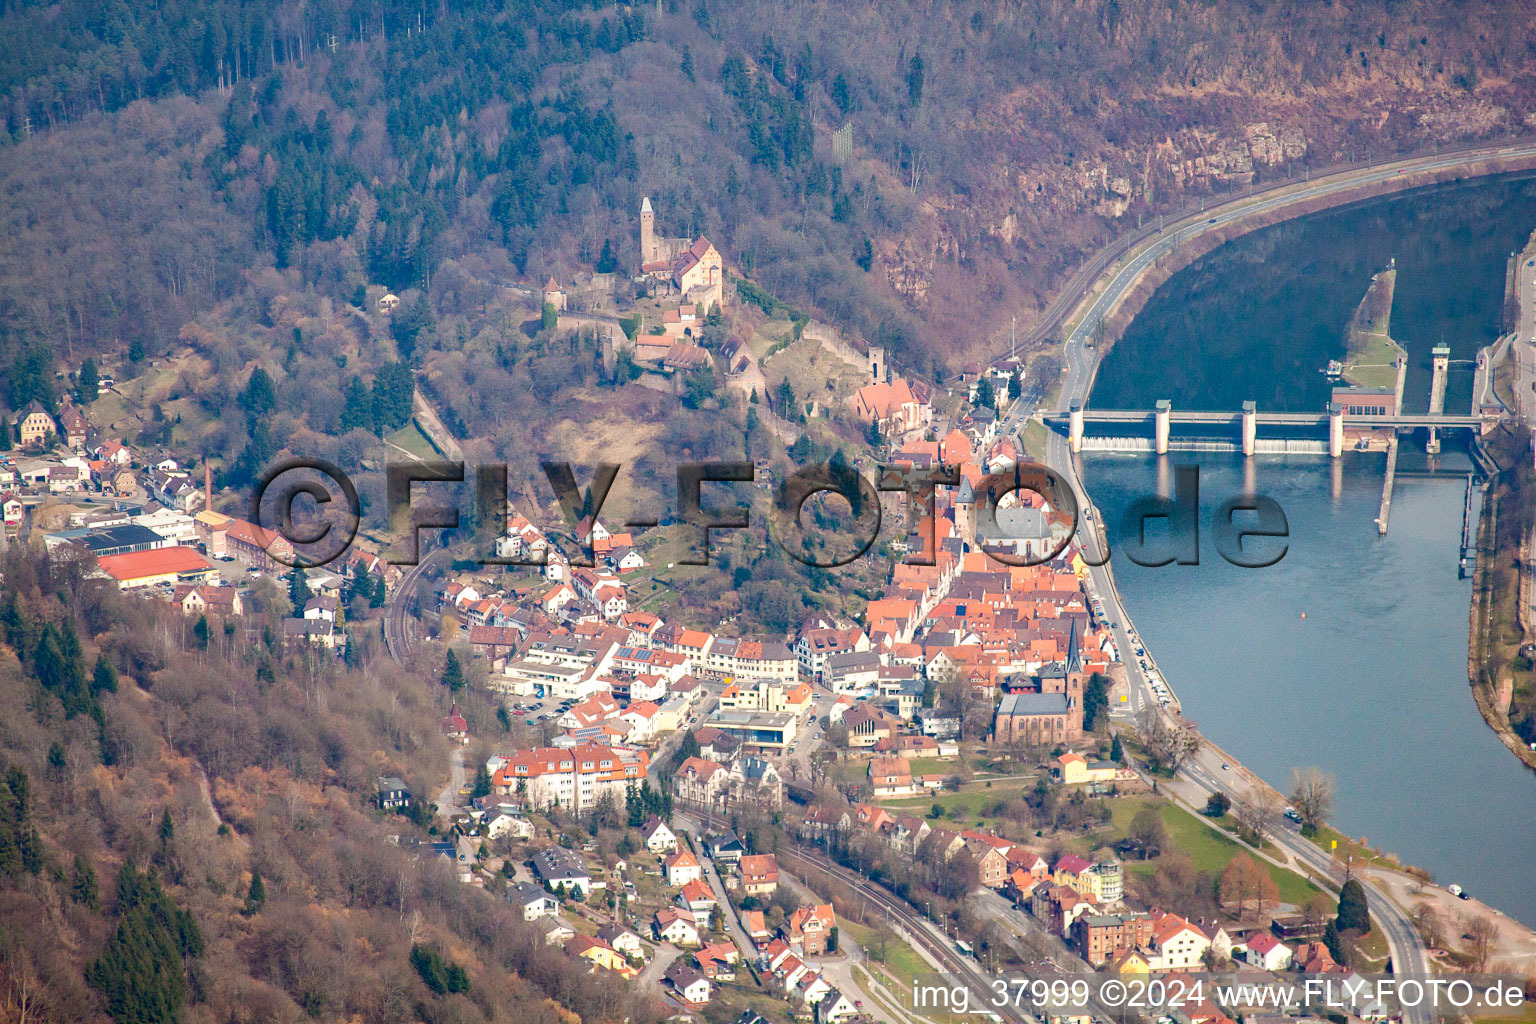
[[320, 609], [676, 925], [533, 900], [657, 836], [834, 1007], [1176, 944], [689, 983], [1268, 952], [682, 867], [514, 825]]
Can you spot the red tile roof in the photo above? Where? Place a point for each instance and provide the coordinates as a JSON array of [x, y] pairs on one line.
[[136, 565]]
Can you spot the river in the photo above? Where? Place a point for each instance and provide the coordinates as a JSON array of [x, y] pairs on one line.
[[1350, 653]]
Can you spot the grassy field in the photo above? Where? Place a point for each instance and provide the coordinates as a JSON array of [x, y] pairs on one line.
[[1526, 1016], [1208, 850], [1369, 348], [815, 373], [1340, 846], [902, 965], [933, 765], [1034, 436], [412, 440], [970, 802]]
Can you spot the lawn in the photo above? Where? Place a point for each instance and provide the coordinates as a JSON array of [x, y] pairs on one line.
[[412, 441], [970, 802], [1526, 1016], [1370, 350], [1208, 850], [1373, 367], [933, 765], [1340, 846], [1034, 437], [902, 966]]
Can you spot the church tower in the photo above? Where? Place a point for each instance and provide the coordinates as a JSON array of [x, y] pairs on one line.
[[878, 365], [649, 253], [1075, 681], [965, 513]]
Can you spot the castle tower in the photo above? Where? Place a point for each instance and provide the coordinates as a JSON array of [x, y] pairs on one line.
[[649, 252]]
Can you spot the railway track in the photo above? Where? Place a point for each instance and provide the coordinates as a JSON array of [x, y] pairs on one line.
[[917, 927], [400, 616]]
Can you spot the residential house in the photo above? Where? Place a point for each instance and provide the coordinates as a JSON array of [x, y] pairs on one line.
[[834, 1007], [75, 425], [321, 608], [1265, 951], [656, 836], [690, 984], [1099, 937], [504, 824], [392, 793], [556, 932], [725, 848], [809, 928], [890, 776], [682, 867], [621, 939], [675, 925], [1074, 769], [1176, 944], [718, 960], [555, 866], [34, 425], [759, 874], [600, 955], [576, 778], [755, 924], [532, 900], [699, 898], [991, 864], [313, 632], [699, 782]]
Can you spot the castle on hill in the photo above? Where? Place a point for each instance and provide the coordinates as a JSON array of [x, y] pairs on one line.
[[692, 266]]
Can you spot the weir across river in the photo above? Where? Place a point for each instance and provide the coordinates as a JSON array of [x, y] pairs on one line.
[[1244, 431]]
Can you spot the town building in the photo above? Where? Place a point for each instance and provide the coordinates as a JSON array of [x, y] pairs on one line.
[[160, 567], [574, 779]]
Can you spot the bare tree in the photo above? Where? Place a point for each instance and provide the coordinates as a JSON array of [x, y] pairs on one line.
[[1166, 745], [1428, 923], [1257, 812], [1312, 791], [1482, 938]]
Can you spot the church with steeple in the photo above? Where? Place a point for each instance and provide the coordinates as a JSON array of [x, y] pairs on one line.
[[1051, 714]]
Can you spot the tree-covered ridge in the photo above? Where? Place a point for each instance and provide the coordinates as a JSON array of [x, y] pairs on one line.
[[178, 152], [226, 783], [431, 89]]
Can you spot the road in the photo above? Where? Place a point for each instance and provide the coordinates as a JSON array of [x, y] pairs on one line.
[[1262, 199], [732, 923], [1205, 774], [1525, 338], [448, 799]]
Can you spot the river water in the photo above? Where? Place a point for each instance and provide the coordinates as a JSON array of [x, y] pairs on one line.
[[1350, 653]]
